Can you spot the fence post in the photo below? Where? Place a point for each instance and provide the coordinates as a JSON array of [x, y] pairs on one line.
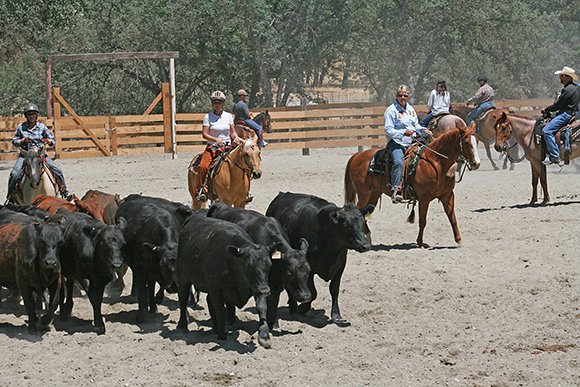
[[167, 118], [112, 131], [56, 124], [304, 107]]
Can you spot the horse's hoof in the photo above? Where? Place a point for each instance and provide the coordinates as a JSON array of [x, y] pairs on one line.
[[460, 244]]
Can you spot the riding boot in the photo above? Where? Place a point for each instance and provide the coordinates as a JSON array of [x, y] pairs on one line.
[[66, 194]]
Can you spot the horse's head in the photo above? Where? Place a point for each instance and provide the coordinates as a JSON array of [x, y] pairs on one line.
[[468, 145], [264, 120], [251, 154], [503, 132], [33, 166]]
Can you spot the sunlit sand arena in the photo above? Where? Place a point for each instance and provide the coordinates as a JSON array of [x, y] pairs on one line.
[[502, 310]]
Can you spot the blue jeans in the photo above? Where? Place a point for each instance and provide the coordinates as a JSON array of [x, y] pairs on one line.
[[257, 128], [425, 121], [17, 171], [397, 152], [551, 129], [472, 116]]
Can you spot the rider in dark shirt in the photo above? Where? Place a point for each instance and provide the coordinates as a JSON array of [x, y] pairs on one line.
[[242, 113], [566, 107]]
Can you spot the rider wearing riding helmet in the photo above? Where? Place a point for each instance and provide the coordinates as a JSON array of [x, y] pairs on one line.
[[34, 134], [218, 129], [242, 113], [483, 98]]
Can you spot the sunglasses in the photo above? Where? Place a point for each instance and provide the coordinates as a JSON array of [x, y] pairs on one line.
[[403, 95]]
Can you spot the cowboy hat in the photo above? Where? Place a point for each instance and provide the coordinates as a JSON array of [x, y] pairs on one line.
[[568, 71]]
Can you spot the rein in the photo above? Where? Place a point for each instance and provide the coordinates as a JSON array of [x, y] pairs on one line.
[[507, 153], [228, 157]]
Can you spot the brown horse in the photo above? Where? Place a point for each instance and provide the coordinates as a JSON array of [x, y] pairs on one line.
[[263, 119], [433, 179], [521, 129], [485, 130], [232, 183]]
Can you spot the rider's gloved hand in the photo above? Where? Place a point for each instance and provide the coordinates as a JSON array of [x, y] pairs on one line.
[[25, 140]]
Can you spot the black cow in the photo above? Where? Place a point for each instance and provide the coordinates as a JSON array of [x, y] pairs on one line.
[[289, 270], [219, 258], [90, 255], [181, 211], [330, 232], [31, 210], [152, 236], [29, 262]]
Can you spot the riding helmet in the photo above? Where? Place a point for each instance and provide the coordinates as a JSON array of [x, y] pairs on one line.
[[218, 95], [482, 78], [30, 108]]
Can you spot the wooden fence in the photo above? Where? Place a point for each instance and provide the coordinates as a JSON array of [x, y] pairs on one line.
[[321, 126]]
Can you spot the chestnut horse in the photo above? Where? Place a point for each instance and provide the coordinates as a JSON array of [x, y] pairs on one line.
[[263, 119], [484, 128], [434, 177], [521, 129], [37, 179], [232, 183]]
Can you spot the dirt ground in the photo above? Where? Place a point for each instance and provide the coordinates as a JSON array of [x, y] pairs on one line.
[[501, 311]]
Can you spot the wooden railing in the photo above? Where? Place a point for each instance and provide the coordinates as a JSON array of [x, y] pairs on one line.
[[321, 126]]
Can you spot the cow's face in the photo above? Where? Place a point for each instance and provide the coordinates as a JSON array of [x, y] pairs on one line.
[[167, 256], [296, 271], [110, 241], [49, 244], [256, 267], [348, 223]]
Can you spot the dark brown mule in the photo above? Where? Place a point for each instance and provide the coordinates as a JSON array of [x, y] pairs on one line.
[[521, 129], [485, 130], [433, 179], [263, 119]]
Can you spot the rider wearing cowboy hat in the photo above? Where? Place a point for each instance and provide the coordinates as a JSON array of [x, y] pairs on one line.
[[32, 133], [242, 113], [566, 106]]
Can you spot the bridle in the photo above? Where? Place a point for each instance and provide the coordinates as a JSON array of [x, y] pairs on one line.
[[509, 127]]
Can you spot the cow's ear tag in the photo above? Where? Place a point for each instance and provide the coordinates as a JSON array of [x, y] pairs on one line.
[[277, 255]]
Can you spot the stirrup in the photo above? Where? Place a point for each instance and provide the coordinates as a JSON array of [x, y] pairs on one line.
[[249, 198]]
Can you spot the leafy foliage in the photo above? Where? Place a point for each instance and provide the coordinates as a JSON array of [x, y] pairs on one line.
[[278, 49]]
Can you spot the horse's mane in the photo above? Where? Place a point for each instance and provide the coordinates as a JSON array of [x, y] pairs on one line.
[[521, 116], [446, 140], [258, 116], [247, 144]]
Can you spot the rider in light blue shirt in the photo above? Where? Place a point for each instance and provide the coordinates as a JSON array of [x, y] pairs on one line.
[[401, 124], [34, 134]]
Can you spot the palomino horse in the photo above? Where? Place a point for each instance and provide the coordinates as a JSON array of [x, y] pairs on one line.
[[232, 183], [37, 178], [262, 119], [522, 129], [434, 177], [485, 130]]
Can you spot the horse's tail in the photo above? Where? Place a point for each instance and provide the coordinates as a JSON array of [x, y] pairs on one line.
[[349, 190], [411, 218]]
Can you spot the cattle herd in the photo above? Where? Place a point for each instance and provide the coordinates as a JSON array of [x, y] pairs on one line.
[[230, 254]]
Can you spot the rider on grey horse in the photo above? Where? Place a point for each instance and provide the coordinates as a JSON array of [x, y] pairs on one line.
[[31, 134]]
